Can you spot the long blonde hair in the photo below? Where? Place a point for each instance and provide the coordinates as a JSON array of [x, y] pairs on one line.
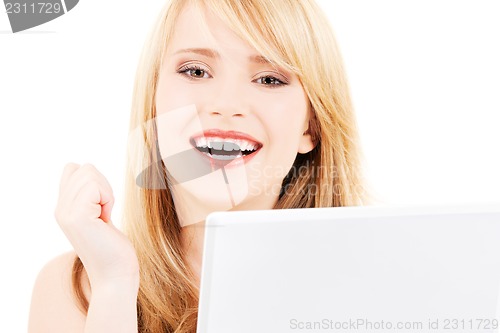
[[295, 35]]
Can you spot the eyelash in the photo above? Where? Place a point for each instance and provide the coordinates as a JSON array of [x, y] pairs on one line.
[[183, 70], [186, 69], [273, 85]]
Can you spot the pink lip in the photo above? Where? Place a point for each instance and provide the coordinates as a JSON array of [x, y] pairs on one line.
[[226, 134], [229, 135]]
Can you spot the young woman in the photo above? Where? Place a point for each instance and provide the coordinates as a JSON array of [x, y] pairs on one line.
[[238, 105]]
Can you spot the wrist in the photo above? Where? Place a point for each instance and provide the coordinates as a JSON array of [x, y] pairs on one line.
[[126, 284]]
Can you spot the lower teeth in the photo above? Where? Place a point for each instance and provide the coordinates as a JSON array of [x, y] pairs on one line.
[[223, 157]]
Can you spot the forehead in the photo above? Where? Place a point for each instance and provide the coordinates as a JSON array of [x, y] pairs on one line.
[[196, 30]]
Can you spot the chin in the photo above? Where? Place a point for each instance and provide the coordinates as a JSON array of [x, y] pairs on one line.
[[212, 193]]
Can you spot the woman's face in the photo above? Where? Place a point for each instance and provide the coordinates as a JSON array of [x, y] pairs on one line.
[[230, 124]]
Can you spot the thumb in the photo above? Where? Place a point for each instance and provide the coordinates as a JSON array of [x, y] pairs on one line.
[[106, 199], [107, 202]]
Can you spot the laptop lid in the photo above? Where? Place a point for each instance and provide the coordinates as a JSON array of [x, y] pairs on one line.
[[411, 269]]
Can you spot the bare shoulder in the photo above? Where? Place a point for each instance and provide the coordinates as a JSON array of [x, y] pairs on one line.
[[53, 306]]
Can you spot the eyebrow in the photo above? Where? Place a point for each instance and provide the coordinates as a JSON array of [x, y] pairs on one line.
[[204, 52], [210, 53]]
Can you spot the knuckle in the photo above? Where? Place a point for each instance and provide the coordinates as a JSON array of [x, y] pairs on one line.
[[71, 165], [88, 167]]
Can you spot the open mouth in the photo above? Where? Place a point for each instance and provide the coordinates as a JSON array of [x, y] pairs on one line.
[[225, 148]]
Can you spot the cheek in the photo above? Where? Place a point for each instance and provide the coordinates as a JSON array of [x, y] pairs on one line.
[[172, 94], [284, 120], [172, 126], [176, 116]]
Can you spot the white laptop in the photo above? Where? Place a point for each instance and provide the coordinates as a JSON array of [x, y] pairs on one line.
[[352, 269]]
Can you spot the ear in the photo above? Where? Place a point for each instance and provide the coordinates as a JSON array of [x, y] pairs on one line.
[[306, 143]]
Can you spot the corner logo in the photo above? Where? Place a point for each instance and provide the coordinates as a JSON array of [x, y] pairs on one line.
[[28, 14]]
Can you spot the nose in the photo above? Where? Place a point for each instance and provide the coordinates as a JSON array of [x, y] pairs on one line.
[[228, 113], [228, 99]]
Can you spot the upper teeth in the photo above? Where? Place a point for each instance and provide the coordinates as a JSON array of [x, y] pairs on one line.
[[224, 144]]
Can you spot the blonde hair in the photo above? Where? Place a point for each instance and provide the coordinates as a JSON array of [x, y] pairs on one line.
[[295, 35]]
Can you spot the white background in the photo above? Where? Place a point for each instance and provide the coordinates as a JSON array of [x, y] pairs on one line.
[[425, 79]]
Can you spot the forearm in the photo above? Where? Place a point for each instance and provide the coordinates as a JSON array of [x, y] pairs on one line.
[[113, 308]]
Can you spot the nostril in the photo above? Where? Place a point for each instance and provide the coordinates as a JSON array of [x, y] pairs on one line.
[[216, 113]]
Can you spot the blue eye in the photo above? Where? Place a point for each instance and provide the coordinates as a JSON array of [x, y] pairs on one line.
[[194, 72]]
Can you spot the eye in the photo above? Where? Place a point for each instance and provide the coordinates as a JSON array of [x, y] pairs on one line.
[[270, 81], [194, 72]]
